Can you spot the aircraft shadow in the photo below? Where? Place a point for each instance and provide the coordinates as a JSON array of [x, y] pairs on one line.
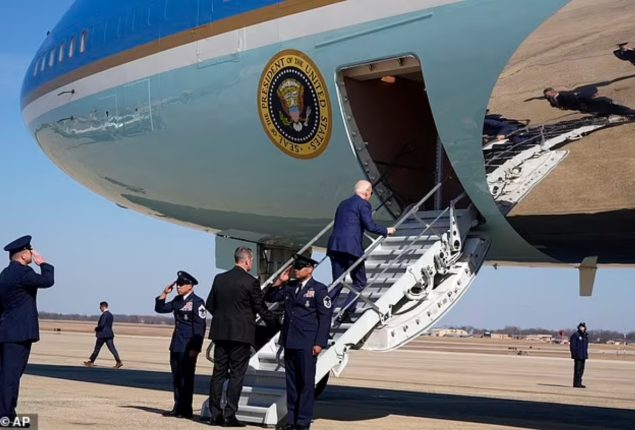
[[352, 404], [342, 403]]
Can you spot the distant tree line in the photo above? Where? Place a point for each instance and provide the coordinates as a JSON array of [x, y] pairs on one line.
[[138, 319], [597, 335]]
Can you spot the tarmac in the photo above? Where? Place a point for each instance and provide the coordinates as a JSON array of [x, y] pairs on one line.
[[432, 384]]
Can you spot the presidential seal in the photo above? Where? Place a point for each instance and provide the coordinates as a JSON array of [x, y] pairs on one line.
[[294, 105]]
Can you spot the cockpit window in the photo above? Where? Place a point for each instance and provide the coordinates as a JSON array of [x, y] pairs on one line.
[[42, 63], [52, 57], [71, 48]]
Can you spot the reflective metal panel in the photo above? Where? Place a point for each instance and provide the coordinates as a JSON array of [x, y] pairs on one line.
[[558, 135]]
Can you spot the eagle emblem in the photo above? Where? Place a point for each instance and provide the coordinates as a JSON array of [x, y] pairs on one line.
[[291, 95]]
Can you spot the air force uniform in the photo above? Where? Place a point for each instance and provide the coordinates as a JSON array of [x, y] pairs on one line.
[[19, 326], [306, 324], [187, 341]]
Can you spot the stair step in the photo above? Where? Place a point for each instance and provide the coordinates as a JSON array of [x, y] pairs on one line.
[[392, 255], [254, 396], [375, 266], [411, 238], [266, 378], [252, 414]]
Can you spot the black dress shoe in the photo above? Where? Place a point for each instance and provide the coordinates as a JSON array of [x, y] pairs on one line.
[[218, 421], [345, 317], [186, 415], [171, 413], [233, 422], [286, 427]]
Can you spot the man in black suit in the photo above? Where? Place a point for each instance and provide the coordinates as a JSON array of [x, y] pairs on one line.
[[586, 102], [234, 301], [104, 334]]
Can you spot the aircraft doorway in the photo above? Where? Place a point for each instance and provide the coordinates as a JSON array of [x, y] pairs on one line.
[[393, 133]]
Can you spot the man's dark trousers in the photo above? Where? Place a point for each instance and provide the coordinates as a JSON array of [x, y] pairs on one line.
[[578, 371], [300, 373], [13, 360], [231, 359], [110, 344], [340, 262], [183, 367]]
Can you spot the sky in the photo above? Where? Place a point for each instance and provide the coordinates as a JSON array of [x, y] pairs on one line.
[[103, 252]]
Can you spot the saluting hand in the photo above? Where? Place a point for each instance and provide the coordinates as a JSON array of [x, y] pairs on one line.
[[168, 288], [37, 257], [316, 350], [283, 278]]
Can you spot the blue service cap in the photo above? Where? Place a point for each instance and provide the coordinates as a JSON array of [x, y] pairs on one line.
[[184, 278], [19, 245], [302, 261]]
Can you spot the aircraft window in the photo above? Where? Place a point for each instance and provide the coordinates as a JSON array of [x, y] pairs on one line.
[[42, 63], [71, 48], [52, 57], [60, 54], [82, 42], [35, 68]]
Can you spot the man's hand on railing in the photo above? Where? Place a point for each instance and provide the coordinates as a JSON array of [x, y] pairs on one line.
[[391, 231]]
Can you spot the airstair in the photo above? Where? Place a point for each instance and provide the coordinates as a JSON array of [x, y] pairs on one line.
[[414, 278], [514, 167]]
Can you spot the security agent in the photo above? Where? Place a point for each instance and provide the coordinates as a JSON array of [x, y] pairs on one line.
[[233, 302], [579, 347], [19, 327], [104, 334], [187, 339], [305, 333]]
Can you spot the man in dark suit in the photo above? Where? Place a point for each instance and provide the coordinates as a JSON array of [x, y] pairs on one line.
[[187, 339], [19, 327], [585, 101], [345, 246], [104, 334], [233, 302], [305, 333], [579, 347]]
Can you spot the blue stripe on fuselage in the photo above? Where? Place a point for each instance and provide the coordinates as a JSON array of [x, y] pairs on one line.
[[114, 27]]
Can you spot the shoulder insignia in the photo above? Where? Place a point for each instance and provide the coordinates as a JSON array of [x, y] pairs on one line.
[[327, 302], [202, 312]]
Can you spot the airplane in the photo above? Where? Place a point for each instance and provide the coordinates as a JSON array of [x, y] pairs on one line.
[[252, 120]]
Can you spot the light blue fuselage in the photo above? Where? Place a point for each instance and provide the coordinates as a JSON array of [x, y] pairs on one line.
[[188, 144]]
